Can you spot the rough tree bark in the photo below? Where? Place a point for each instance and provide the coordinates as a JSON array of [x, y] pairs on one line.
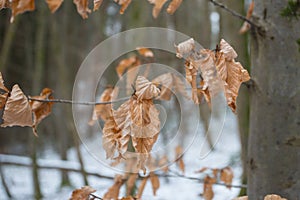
[[274, 110]]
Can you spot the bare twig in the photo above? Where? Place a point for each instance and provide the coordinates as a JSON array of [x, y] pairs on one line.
[[78, 102], [234, 13]]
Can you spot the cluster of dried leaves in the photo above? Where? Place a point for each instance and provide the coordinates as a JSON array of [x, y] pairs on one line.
[[83, 8], [215, 175], [268, 197], [19, 111], [217, 69]]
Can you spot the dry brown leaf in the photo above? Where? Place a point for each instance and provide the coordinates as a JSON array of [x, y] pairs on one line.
[[241, 198], [97, 4], [154, 182], [246, 26], [141, 187], [4, 4], [110, 138], [82, 193], [126, 64], [227, 50], [54, 4], [104, 111], [113, 191], [274, 197], [204, 92], [41, 109], [173, 6], [158, 4], [145, 52], [2, 86], [17, 111], [163, 162], [20, 6], [203, 169], [208, 193], [184, 49], [124, 4], [145, 89], [3, 98], [130, 183], [179, 158], [82, 8], [226, 175]]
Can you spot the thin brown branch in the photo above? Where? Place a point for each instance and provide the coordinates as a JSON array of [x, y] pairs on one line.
[[234, 13], [78, 102]]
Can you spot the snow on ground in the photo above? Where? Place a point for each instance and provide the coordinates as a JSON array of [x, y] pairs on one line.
[[226, 153]]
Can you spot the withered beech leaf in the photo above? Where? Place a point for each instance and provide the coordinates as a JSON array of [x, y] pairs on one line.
[[226, 175], [124, 4], [20, 6], [82, 8], [113, 191], [145, 89], [274, 197], [3, 98], [227, 50], [4, 4], [154, 182], [141, 187], [126, 64], [203, 169], [145, 52], [232, 73], [17, 111], [104, 111], [173, 6], [130, 183], [110, 138], [163, 163], [185, 48], [158, 4], [54, 4], [246, 26], [179, 158], [41, 109], [208, 193], [97, 4], [2, 86], [82, 193]]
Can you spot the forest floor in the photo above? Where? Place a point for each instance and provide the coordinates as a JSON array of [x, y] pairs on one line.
[[226, 153]]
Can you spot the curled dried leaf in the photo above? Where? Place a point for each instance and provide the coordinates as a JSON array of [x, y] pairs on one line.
[[141, 187], [2, 86], [274, 197], [54, 4], [3, 98], [104, 111], [226, 176], [246, 26], [145, 52], [179, 158], [41, 109], [145, 89], [97, 4], [17, 111], [82, 193], [208, 193], [82, 8], [113, 191], [173, 6], [20, 6], [154, 182], [227, 50], [130, 183], [158, 4], [4, 4], [185, 48], [124, 4], [127, 64]]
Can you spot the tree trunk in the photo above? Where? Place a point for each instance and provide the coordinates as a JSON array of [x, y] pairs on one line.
[[274, 110]]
